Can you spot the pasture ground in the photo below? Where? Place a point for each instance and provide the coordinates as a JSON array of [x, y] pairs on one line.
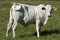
[[51, 31]]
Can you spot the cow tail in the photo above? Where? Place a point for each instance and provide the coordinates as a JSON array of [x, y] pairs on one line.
[[11, 16]]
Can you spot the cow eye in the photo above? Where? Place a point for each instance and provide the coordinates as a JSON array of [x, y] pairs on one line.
[[43, 8]]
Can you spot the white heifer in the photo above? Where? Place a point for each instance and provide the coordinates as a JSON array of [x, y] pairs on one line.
[[28, 13], [49, 9]]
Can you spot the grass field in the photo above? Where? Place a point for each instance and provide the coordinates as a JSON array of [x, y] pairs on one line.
[[51, 31]]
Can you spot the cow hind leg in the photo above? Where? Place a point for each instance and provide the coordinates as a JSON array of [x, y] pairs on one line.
[[9, 26], [14, 27]]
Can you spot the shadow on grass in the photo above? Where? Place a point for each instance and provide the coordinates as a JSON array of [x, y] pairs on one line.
[[44, 33]]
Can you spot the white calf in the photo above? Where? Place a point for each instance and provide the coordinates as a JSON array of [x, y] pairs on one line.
[[27, 13]]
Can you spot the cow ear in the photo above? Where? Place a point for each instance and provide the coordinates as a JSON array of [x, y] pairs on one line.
[[54, 8], [43, 8]]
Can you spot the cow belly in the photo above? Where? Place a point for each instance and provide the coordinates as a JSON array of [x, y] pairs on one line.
[[31, 13]]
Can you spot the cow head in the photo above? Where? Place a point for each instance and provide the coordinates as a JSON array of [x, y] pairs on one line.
[[49, 9]]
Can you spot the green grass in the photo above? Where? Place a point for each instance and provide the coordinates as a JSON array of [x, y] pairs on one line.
[[51, 31]]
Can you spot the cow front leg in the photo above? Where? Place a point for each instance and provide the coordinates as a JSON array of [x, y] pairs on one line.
[[37, 27], [46, 19]]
